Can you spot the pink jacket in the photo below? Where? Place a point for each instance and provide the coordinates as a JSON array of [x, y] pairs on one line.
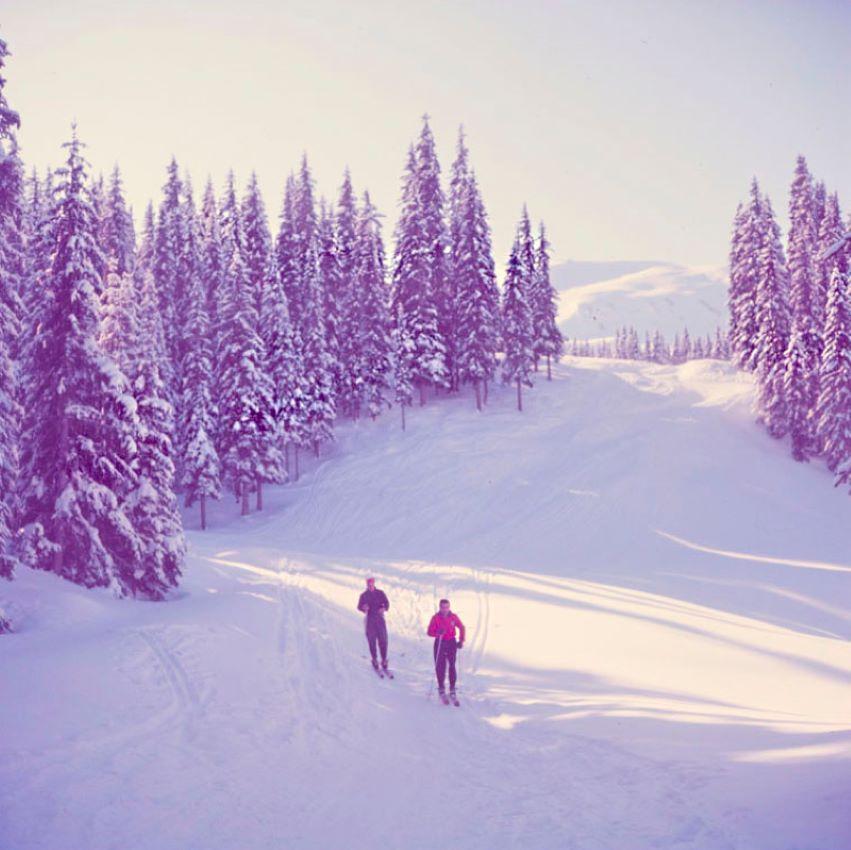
[[445, 627]]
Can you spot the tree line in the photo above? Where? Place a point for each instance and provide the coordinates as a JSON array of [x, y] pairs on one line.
[[206, 354], [790, 318]]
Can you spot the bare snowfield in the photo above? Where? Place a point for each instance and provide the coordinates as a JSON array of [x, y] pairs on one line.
[[657, 601]]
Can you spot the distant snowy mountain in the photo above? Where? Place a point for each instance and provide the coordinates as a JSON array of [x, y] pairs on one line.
[[597, 298]]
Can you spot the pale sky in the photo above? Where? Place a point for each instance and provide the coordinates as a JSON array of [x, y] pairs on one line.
[[632, 128]]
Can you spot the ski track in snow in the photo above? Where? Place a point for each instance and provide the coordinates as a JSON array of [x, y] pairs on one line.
[[635, 674]]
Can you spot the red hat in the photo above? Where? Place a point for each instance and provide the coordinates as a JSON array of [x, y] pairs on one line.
[[370, 580]]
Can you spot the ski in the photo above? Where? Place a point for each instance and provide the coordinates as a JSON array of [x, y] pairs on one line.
[[388, 673], [379, 672], [454, 700], [444, 699]]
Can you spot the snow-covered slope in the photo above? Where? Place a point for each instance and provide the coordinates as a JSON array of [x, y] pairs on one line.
[[597, 298], [658, 656]]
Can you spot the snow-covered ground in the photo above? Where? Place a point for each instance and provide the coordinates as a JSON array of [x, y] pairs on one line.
[[595, 298], [658, 656]]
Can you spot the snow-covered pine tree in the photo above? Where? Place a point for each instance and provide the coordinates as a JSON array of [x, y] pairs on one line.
[[459, 250], [516, 324], [547, 339], [286, 254], [246, 427], [213, 265], [801, 380], [744, 260], [373, 332], [80, 424], [118, 232], [152, 504], [12, 270], [201, 465], [346, 307], [772, 320], [417, 282], [319, 406], [830, 231], [333, 300], [285, 368], [258, 250], [432, 231], [526, 248], [659, 352], [259, 257], [834, 403], [166, 267], [403, 353], [477, 317]]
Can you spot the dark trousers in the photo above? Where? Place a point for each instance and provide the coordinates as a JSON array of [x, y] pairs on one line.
[[376, 633], [445, 652]]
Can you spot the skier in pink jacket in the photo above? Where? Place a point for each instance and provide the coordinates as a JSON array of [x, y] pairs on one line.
[[442, 628]]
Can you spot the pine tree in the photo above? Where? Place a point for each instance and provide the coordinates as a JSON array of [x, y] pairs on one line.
[[259, 257], [459, 259], [516, 325], [80, 424], [772, 319], [834, 403], [12, 271], [548, 341], [333, 300], [152, 505], [373, 333], [659, 352], [830, 232], [118, 232], [744, 273], [212, 263], [168, 242], [801, 383], [477, 320], [247, 431], [285, 369], [418, 277], [200, 465], [342, 305]]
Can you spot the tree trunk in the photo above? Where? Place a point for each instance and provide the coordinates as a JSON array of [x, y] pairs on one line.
[[519, 397], [422, 394], [287, 458], [316, 448], [203, 512], [536, 364], [549, 368], [402, 408], [486, 391], [246, 508], [478, 394], [259, 495], [295, 450]]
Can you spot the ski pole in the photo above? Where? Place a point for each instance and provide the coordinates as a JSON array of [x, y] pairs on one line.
[[436, 657]]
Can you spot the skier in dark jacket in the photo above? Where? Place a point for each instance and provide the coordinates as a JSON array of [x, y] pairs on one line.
[[373, 603], [442, 628]]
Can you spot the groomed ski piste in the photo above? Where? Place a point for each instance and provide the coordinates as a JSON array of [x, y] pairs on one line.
[[657, 602]]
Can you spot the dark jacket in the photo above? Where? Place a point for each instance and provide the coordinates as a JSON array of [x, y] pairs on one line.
[[377, 602]]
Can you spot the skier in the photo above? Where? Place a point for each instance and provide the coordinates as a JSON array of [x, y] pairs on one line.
[[442, 628], [373, 603]]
